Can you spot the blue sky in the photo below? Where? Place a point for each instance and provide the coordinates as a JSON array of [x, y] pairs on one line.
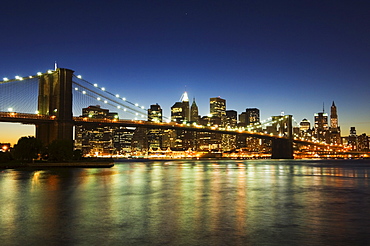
[[289, 56]]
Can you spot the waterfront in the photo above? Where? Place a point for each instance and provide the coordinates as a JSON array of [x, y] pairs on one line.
[[208, 202]]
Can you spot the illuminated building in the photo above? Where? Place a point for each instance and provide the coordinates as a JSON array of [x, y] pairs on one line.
[[192, 137], [95, 139], [218, 115], [97, 112], [194, 114], [155, 113], [217, 107], [352, 138], [168, 138], [305, 129], [207, 140], [228, 140], [231, 119], [180, 110], [333, 116], [358, 142], [122, 139], [155, 135], [180, 113], [363, 142], [304, 125], [250, 117], [334, 130], [139, 141], [185, 100], [321, 126]]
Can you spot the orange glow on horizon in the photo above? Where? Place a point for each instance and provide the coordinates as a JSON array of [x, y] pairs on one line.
[[12, 132]]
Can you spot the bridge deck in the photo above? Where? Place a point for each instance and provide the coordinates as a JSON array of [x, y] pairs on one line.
[[26, 118]]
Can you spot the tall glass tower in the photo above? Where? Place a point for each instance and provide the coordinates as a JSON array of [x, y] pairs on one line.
[[335, 136], [217, 107], [180, 110], [155, 113]]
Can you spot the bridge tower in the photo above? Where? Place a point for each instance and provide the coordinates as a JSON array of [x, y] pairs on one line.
[[282, 148], [55, 99]]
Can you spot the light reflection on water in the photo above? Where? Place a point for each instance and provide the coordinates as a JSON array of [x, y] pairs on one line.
[[212, 202]]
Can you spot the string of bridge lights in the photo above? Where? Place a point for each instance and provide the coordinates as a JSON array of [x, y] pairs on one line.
[[256, 126], [99, 98], [20, 78], [117, 96], [102, 98]]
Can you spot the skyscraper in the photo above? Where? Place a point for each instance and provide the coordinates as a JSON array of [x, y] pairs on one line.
[[252, 115], [95, 139], [180, 113], [154, 136], [304, 125], [231, 118], [228, 140], [333, 116], [185, 101], [180, 110], [249, 117], [155, 113], [321, 126], [352, 138], [305, 130], [194, 114], [334, 131], [217, 107], [218, 117], [363, 142], [98, 113]]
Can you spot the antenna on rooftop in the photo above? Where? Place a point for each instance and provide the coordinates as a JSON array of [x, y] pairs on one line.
[[323, 107]]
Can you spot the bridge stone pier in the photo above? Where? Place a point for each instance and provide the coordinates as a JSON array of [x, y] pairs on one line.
[[55, 99], [282, 148]]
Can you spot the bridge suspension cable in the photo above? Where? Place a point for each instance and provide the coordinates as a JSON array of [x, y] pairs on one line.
[[114, 100], [106, 100], [19, 94]]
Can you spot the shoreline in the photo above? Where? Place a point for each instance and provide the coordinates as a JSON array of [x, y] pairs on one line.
[[85, 164], [108, 163]]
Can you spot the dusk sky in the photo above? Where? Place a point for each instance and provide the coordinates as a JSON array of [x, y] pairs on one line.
[[291, 56]]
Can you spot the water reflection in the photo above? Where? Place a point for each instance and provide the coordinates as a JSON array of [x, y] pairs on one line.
[[224, 202]]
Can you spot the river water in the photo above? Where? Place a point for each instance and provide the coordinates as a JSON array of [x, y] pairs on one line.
[[210, 202]]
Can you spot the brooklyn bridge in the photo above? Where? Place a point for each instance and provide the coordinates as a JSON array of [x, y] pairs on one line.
[[53, 101]]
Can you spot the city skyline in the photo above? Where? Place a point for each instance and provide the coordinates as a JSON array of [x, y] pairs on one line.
[[212, 110], [285, 56]]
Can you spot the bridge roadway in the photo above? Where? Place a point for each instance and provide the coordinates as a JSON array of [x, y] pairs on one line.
[[34, 119], [24, 118]]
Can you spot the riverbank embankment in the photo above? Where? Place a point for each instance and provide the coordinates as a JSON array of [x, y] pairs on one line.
[[82, 164]]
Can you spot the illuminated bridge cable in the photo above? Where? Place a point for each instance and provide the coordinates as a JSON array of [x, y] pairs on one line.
[[107, 98], [115, 106], [111, 94], [19, 95], [107, 101]]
